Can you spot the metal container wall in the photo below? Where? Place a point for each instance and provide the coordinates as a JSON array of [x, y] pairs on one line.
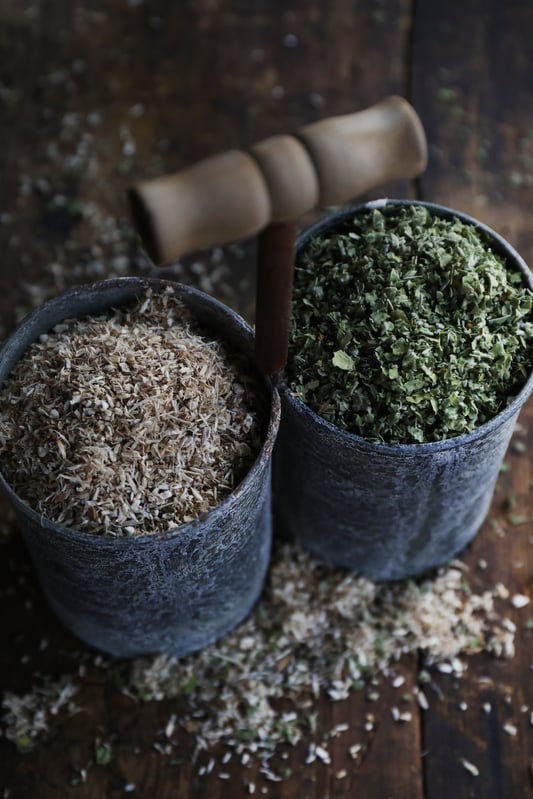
[[175, 592], [386, 511]]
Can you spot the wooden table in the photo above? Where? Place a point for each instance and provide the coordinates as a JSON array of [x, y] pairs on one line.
[[98, 94]]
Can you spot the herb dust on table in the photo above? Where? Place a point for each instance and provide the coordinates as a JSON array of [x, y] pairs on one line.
[[407, 327]]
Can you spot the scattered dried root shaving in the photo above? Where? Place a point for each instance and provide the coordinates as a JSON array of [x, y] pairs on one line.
[[319, 629], [28, 717], [314, 629], [129, 424]]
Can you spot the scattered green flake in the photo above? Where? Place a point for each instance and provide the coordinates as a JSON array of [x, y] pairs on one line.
[[510, 502], [519, 447], [504, 468], [516, 179], [190, 685], [407, 327], [516, 519], [446, 94], [103, 754], [286, 772], [124, 166], [312, 719], [497, 527], [25, 743]]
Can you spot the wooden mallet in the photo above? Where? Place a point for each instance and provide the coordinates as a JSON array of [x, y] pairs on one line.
[[266, 189]]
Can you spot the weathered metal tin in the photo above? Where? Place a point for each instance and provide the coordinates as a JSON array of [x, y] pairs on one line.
[[175, 592], [387, 511]]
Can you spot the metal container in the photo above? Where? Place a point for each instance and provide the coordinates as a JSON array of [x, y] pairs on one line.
[[387, 511], [177, 591]]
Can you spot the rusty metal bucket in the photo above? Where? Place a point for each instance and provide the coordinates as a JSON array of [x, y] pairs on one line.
[[387, 511], [174, 592]]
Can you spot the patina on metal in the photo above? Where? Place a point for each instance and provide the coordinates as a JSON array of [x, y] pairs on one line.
[[387, 511], [173, 592]]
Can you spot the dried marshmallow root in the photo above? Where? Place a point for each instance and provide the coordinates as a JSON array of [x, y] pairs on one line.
[[128, 424]]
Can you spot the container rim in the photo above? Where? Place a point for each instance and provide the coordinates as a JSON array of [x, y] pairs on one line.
[[500, 245], [188, 529]]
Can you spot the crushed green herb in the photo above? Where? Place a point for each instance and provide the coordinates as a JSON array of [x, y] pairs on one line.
[[407, 327], [103, 754]]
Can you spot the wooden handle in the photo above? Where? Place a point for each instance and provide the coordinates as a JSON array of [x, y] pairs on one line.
[[357, 152], [237, 194], [275, 256]]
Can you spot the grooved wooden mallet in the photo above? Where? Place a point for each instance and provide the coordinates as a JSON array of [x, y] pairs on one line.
[[265, 191]]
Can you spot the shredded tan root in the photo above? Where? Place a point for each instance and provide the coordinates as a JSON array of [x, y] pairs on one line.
[[128, 424]]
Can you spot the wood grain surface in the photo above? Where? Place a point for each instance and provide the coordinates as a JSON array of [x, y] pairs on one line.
[[97, 95]]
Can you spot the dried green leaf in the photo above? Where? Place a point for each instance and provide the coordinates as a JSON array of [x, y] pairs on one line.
[[343, 361], [103, 754], [407, 327]]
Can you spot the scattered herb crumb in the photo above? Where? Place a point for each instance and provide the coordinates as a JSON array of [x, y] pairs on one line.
[[517, 519], [519, 447], [103, 754]]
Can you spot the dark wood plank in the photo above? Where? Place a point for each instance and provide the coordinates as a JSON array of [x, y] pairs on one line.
[[97, 95], [472, 79]]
